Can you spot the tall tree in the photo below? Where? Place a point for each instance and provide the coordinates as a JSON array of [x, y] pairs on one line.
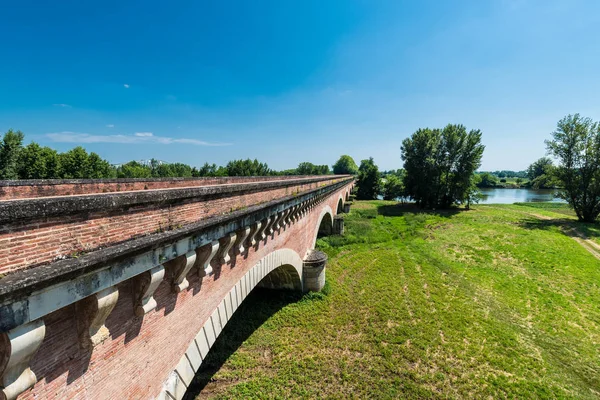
[[439, 164], [10, 147], [576, 145], [345, 165], [369, 180]]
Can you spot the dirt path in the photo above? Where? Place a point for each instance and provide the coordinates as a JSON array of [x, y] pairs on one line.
[[592, 247]]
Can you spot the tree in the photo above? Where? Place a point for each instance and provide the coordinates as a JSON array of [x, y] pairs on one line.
[[472, 195], [209, 170], [393, 187], [134, 169], [98, 168], [369, 180], [10, 147], [247, 168], [307, 168], [31, 162], [439, 164], [541, 174], [487, 180], [345, 165], [576, 145], [74, 164]]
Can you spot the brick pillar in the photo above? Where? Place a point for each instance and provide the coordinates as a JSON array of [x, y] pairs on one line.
[[313, 271], [338, 225]]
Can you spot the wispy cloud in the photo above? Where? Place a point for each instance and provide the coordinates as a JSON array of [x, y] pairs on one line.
[[138, 137], [62, 105], [126, 86], [110, 126]]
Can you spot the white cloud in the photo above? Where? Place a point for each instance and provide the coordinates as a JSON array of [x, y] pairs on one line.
[[110, 126], [138, 137], [126, 86], [62, 105]]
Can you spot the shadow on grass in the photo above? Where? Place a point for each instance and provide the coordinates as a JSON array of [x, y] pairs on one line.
[[397, 210], [569, 227], [257, 308]]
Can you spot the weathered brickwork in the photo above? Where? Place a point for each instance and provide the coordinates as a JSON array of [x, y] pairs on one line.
[[139, 352], [48, 188], [25, 243]]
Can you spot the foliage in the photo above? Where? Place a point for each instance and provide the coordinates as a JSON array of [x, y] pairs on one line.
[[487, 180], [247, 168], [36, 162], [10, 147], [78, 164], [393, 188], [345, 165], [510, 174], [542, 174], [576, 145], [209, 170], [307, 168], [133, 169], [369, 180], [439, 164]]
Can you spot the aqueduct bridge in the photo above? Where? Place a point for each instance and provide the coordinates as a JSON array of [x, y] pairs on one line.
[[117, 289]]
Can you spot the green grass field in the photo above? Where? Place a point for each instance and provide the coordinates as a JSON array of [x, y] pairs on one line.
[[496, 302]]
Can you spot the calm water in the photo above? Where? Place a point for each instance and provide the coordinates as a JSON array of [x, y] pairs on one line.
[[509, 196]]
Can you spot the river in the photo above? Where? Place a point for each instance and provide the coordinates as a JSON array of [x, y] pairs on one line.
[[509, 196]]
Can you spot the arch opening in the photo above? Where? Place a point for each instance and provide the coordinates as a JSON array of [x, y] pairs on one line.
[[340, 206], [283, 277], [325, 226]]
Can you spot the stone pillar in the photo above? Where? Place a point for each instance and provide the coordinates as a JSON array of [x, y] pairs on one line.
[[347, 207], [338, 225], [313, 271]]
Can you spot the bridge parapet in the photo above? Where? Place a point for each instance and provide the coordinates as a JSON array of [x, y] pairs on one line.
[[211, 227]]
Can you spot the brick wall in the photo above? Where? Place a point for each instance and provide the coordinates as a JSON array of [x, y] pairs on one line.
[[23, 189], [25, 243], [135, 360]]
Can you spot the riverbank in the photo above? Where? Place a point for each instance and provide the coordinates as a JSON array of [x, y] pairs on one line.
[[498, 301]]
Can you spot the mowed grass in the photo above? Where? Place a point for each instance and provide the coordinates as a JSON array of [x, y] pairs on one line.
[[489, 303]]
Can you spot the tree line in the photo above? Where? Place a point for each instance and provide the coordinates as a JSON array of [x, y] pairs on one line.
[[440, 168], [41, 162]]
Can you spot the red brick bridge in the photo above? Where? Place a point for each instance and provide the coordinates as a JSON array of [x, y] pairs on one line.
[[117, 289]]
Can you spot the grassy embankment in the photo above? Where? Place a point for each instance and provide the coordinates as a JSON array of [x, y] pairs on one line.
[[499, 301]]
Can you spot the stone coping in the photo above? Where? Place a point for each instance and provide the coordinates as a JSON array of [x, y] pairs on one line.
[[43, 207], [224, 179], [22, 283], [315, 257]]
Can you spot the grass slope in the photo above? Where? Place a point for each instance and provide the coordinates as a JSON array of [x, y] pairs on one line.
[[494, 302]]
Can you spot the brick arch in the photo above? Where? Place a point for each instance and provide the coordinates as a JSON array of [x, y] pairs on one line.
[[340, 205], [325, 219], [280, 269], [347, 195]]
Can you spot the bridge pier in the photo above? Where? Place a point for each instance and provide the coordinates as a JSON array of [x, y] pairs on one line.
[[313, 271]]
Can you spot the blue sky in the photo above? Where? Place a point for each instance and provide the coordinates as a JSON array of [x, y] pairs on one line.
[[291, 81]]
